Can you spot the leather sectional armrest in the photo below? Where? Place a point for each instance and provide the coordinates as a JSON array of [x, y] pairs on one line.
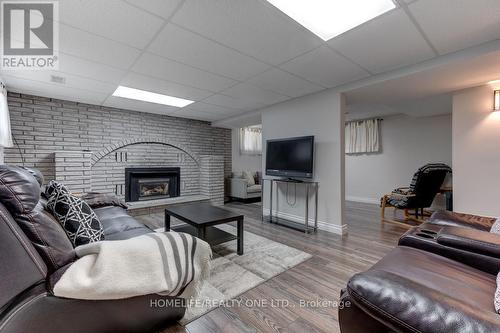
[[475, 248], [443, 217], [401, 303], [470, 240]]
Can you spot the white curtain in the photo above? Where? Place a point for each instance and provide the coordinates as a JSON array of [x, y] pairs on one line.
[[362, 136], [251, 140], [5, 135]]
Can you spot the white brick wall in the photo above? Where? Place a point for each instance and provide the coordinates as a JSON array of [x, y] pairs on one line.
[[212, 178], [73, 170], [43, 126]]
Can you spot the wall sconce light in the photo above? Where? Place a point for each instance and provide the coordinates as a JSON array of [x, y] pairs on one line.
[[496, 106]]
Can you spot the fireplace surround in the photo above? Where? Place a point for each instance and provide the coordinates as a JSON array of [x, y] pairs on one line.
[[151, 183]]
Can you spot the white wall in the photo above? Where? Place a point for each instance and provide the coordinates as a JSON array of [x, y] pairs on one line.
[[1, 155], [242, 162], [321, 115], [407, 144], [476, 152]]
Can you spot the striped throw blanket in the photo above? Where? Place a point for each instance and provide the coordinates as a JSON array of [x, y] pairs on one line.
[[168, 263]]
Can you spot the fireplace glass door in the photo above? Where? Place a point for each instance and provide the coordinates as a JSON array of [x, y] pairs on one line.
[[153, 188]]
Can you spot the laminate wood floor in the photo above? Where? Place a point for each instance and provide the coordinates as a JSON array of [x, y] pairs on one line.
[[335, 259]]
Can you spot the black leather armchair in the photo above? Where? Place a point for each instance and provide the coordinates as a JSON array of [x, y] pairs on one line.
[[440, 278], [411, 290], [34, 254], [424, 186]]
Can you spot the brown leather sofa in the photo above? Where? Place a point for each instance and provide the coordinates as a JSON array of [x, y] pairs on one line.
[[34, 253], [440, 278]]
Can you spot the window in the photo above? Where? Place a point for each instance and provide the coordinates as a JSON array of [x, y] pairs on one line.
[[251, 140], [5, 135], [362, 136]]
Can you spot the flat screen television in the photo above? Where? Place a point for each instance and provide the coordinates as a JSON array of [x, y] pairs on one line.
[[291, 157]]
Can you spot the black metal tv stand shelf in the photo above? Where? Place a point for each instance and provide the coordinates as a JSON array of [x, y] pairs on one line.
[[310, 187]]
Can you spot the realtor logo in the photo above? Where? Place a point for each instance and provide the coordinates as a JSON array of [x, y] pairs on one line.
[[30, 35]]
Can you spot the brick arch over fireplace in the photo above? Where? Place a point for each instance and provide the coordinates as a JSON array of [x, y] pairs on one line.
[[96, 157]]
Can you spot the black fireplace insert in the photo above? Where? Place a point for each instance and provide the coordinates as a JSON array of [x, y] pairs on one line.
[[151, 183]]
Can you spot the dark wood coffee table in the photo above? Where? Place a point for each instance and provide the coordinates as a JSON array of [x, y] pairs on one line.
[[201, 219]]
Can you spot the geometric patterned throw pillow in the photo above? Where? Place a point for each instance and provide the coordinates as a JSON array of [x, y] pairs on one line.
[[495, 228], [496, 300], [54, 187], [77, 218]]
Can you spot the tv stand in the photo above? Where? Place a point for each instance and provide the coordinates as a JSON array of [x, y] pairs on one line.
[[310, 187], [292, 180]]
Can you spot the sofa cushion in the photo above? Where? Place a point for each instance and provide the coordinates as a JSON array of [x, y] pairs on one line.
[[248, 176], [77, 218], [118, 224], [408, 285], [254, 189], [97, 200]]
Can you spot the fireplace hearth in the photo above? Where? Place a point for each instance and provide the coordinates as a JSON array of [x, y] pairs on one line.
[[151, 183]]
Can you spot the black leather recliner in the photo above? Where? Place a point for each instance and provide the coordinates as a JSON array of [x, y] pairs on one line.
[[411, 290], [34, 253], [440, 278]]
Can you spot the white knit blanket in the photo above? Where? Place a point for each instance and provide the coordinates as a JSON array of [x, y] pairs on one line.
[[169, 263]]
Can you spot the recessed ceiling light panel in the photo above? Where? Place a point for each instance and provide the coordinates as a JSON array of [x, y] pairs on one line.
[[147, 96], [330, 18]]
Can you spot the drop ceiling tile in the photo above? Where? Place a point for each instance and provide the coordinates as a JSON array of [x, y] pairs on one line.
[[233, 103], [325, 67], [86, 68], [71, 81], [284, 83], [173, 71], [452, 25], [198, 115], [112, 19], [161, 8], [143, 82], [249, 93], [91, 47], [387, 42], [214, 109], [186, 47], [130, 104], [53, 90], [255, 28]]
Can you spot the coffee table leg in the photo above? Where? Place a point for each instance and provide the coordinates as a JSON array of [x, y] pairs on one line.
[[167, 222], [201, 233], [240, 236]]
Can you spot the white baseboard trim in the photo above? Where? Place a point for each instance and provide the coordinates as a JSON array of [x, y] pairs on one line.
[[363, 200], [322, 225]]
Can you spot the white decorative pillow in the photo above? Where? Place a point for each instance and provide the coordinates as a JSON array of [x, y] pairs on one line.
[[248, 176], [497, 295], [495, 228]]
